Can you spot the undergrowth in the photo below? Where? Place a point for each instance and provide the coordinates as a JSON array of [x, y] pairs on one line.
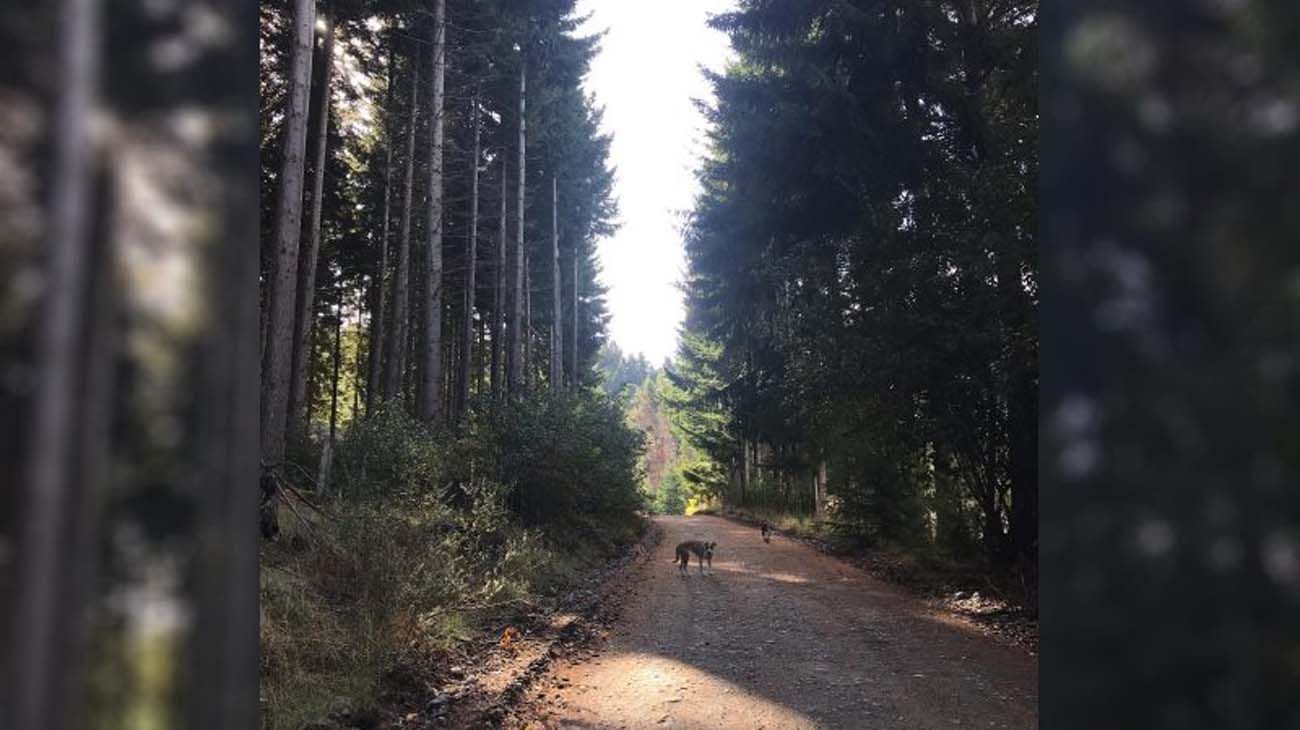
[[346, 600], [421, 548]]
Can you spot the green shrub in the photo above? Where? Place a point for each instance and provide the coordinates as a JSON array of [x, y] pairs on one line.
[[557, 453], [389, 452]]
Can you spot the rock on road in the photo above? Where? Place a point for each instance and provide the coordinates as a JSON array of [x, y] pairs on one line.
[[781, 636]]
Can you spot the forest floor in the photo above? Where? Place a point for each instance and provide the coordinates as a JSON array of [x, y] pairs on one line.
[[776, 635]]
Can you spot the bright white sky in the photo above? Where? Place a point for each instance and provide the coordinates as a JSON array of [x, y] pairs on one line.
[[645, 77]]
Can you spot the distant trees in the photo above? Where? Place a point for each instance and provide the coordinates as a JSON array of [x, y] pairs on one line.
[[862, 288], [619, 371]]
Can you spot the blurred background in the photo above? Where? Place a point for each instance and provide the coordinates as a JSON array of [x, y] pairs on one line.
[[128, 373], [1170, 337]]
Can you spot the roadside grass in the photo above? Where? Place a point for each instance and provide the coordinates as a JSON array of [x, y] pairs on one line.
[[350, 599]]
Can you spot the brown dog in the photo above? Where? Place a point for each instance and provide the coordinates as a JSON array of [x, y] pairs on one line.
[[702, 550]]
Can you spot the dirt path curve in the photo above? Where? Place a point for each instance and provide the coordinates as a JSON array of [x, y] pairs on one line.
[[780, 636]]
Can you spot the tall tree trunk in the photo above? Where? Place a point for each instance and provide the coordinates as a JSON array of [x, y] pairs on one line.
[[1016, 308], [498, 292], [225, 661], [517, 310], [358, 377], [573, 330], [47, 642], [557, 309], [395, 350], [1022, 410], [430, 405], [471, 263], [527, 332], [480, 355], [450, 369], [263, 325], [327, 455], [819, 494], [374, 378], [299, 417], [276, 371]]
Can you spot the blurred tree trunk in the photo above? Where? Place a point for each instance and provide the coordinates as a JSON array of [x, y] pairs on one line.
[[430, 394], [224, 680], [299, 417], [63, 450]]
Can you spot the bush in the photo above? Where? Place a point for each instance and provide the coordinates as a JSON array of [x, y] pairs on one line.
[[557, 454], [389, 452]]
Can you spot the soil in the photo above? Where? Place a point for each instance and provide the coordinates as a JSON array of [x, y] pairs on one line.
[[776, 635]]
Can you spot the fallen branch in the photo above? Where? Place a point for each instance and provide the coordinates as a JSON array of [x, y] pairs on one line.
[[294, 491]]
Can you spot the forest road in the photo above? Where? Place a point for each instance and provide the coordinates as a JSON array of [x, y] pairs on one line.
[[780, 636]]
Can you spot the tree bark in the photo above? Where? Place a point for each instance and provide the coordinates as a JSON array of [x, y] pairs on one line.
[[498, 292], [819, 506], [527, 332], [517, 310], [1022, 411], [358, 376], [47, 641], [328, 452], [471, 263], [573, 330], [395, 350], [299, 417], [276, 371], [224, 665], [557, 309], [430, 406], [374, 378]]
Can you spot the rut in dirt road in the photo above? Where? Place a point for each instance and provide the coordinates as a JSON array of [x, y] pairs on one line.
[[780, 636]]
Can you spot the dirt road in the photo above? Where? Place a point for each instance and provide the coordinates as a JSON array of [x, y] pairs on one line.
[[780, 636]]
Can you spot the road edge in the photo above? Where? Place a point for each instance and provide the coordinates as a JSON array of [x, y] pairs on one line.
[[574, 623], [977, 622]]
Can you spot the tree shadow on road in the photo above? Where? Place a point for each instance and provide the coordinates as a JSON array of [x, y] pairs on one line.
[[777, 634]]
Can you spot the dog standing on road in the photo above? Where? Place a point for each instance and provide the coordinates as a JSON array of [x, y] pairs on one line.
[[767, 531], [702, 551]]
